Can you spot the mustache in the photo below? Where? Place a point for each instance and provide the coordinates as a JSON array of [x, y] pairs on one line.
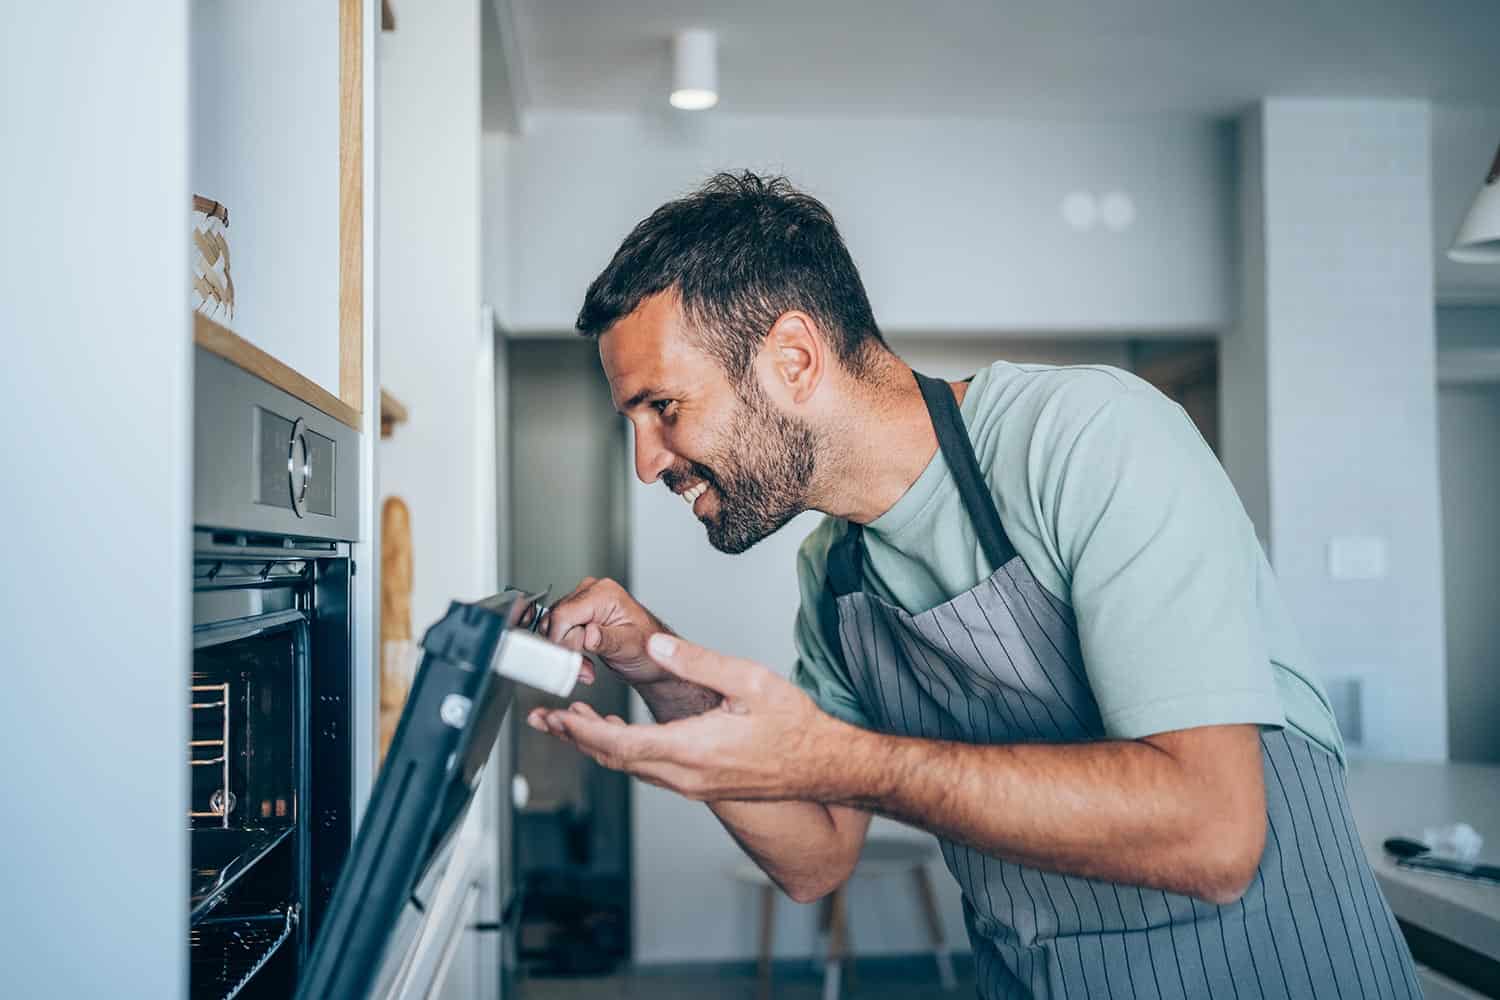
[[675, 477]]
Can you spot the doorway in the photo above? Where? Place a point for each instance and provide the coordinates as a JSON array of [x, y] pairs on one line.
[[571, 845], [1469, 473]]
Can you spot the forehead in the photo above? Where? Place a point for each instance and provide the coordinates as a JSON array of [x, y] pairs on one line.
[[652, 351]]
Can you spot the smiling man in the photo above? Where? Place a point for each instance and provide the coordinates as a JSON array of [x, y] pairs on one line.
[[1035, 622]]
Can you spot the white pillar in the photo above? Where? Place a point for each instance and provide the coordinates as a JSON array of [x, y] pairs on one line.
[[1330, 394], [96, 493]]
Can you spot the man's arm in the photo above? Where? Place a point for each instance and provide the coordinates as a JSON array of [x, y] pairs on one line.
[[805, 847], [1182, 811]]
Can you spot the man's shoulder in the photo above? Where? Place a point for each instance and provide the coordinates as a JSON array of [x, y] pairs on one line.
[[1015, 391]]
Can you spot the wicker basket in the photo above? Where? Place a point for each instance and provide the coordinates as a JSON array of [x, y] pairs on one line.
[[213, 288]]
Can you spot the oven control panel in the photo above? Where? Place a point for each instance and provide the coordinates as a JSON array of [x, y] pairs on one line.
[[268, 463]]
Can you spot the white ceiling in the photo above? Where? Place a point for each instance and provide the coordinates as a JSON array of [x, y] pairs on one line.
[[1011, 56]]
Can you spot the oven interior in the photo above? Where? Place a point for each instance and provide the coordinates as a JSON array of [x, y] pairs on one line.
[[268, 758]]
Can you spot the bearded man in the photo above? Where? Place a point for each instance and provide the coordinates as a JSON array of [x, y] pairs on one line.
[[1035, 622]]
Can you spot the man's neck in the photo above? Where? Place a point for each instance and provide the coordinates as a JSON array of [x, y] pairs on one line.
[[874, 455]]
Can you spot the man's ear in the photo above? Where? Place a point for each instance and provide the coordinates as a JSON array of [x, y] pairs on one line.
[[793, 358]]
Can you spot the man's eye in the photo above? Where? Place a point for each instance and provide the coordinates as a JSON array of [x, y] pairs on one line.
[[663, 405]]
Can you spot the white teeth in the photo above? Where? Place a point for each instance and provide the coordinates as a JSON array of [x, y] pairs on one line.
[[691, 496]]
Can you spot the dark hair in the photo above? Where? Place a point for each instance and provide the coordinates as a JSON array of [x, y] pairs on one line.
[[740, 251]]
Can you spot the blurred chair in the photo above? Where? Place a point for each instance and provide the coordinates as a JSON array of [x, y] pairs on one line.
[[880, 856]]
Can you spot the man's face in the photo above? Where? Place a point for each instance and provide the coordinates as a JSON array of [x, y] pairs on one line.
[[743, 465]]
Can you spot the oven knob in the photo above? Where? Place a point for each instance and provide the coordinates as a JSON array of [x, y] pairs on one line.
[[299, 469]]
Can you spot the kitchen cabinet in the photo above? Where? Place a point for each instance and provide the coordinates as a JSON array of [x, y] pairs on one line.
[[277, 124]]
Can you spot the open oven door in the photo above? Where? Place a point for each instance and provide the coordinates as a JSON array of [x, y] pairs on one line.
[[410, 885]]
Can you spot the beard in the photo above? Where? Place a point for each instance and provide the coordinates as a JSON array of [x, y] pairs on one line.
[[761, 474]]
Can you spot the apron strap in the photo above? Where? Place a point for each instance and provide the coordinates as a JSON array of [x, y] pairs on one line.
[[846, 563], [958, 452], [846, 557]]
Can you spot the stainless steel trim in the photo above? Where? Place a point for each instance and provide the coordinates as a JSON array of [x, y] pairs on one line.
[[243, 628]]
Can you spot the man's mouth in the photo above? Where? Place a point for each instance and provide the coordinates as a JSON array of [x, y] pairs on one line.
[[692, 493]]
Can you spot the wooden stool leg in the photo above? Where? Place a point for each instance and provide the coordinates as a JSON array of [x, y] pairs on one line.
[[837, 942], [767, 926], [935, 927]]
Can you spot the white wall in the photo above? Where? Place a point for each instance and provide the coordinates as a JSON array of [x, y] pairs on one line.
[[954, 223], [500, 240], [430, 293], [1343, 243], [96, 494], [265, 117], [687, 908], [437, 349]]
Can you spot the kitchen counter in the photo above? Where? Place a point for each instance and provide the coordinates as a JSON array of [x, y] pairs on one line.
[[1391, 799]]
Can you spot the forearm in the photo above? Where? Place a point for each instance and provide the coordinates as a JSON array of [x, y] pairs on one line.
[[807, 848], [800, 845], [673, 699], [1121, 811]]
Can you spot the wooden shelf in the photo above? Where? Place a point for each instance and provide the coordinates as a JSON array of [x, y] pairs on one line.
[[392, 412], [232, 347]]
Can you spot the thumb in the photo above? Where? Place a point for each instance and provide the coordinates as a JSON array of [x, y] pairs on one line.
[[728, 675], [608, 643]]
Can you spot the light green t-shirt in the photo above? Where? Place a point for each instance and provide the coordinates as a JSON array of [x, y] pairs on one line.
[[1120, 510]]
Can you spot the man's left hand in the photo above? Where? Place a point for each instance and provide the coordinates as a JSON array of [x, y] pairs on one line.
[[765, 741]]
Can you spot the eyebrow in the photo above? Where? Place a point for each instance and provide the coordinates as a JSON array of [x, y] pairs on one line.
[[638, 399]]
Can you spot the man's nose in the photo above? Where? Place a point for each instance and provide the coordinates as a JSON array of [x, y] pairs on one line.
[[651, 459]]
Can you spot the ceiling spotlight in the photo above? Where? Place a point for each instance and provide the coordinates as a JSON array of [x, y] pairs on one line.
[[695, 70]]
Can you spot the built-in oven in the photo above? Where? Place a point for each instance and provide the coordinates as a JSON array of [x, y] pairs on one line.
[[270, 749]]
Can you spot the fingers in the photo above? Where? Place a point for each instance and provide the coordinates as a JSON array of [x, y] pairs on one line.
[[579, 621], [727, 675], [569, 613], [615, 745]]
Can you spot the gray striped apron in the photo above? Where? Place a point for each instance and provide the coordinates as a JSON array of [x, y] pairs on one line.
[[1001, 664]]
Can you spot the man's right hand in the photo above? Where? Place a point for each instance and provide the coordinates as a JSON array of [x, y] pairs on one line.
[[601, 617]]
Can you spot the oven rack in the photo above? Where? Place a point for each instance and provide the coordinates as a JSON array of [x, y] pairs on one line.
[[226, 953], [213, 701], [220, 857]]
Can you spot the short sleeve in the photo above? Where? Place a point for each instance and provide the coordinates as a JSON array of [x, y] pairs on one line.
[[1161, 562], [820, 669]]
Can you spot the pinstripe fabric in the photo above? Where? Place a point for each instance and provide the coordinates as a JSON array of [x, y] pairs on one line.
[[1000, 664]]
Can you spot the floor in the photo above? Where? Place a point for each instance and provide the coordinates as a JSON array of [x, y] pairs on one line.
[[913, 978]]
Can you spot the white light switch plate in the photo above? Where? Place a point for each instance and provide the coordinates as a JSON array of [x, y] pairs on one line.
[[1356, 557]]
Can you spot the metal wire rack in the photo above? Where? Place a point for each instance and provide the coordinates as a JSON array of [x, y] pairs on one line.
[[227, 953], [213, 751]]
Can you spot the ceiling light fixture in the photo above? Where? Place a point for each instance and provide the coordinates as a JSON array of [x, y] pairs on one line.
[[695, 70], [1478, 239]]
